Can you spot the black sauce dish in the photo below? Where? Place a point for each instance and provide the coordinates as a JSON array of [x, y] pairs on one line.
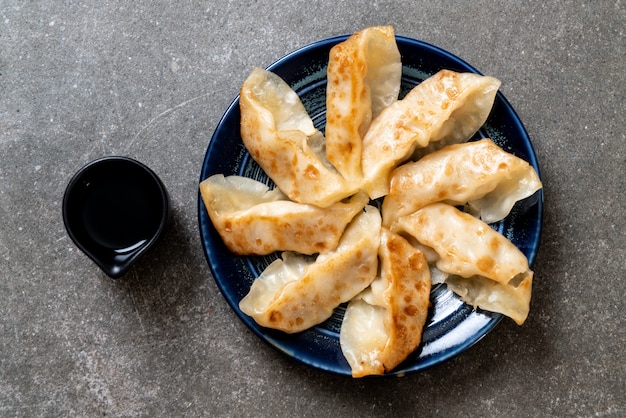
[[115, 209]]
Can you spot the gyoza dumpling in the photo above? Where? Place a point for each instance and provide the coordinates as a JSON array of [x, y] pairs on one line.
[[490, 271], [295, 292], [444, 109], [383, 324], [278, 133], [251, 219], [364, 75], [479, 173]]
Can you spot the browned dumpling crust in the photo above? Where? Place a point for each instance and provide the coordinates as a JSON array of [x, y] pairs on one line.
[[408, 297], [253, 220], [364, 75], [384, 324], [280, 136], [479, 173], [447, 108]]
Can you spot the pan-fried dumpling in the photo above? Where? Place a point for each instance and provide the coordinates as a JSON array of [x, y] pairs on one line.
[[364, 75], [251, 219], [479, 173], [444, 109], [490, 271], [295, 293], [383, 324], [280, 136]]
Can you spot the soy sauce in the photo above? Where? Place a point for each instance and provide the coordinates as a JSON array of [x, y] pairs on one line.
[[114, 209], [119, 214]]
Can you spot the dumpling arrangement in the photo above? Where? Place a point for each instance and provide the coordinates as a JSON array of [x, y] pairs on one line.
[[335, 248]]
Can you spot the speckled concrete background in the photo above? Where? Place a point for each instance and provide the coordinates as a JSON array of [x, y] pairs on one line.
[[150, 80]]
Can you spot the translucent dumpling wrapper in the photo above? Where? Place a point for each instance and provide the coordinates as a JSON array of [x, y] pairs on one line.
[[383, 324], [485, 269], [364, 73], [254, 220], [479, 173], [511, 300], [296, 292], [280, 136], [447, 108]]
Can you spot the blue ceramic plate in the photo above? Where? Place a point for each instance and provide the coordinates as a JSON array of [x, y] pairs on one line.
[[452, 325]]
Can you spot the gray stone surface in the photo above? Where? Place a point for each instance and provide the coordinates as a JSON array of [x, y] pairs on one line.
[[150, 80]]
